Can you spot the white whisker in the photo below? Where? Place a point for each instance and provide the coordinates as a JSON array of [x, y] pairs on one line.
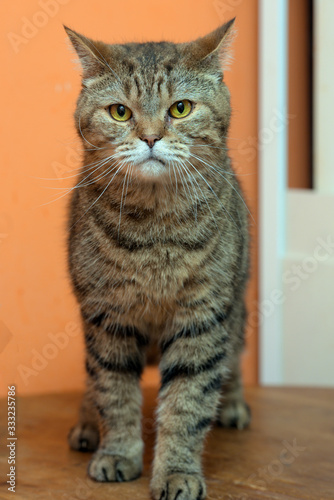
[[121, 205], [204, 197], [84, 138], [97, 199], [69, 190], [82, 170], [213, 192], [197, 198], [239, 195]]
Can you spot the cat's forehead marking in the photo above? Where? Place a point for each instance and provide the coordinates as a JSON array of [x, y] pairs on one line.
[[155, 74], [150, 59], [146, 71]]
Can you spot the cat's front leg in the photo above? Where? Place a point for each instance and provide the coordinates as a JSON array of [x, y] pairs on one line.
[[85, 435], [192, 371], [233, 410], [115, 357]]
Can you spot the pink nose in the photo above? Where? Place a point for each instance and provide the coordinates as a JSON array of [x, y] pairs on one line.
[[150, 139]]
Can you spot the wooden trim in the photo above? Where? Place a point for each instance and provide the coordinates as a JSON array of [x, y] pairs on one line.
[[300, 94]]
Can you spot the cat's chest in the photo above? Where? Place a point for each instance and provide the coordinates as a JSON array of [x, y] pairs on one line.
[[159, 269], [157, 256]]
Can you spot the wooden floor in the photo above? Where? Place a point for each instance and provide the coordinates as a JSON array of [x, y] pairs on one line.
[[287, 453]]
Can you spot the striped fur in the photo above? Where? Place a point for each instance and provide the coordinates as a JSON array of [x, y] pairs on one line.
[[158, 253]]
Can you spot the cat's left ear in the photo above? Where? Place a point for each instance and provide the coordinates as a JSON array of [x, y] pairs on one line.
[[91, 55], [215, 45]]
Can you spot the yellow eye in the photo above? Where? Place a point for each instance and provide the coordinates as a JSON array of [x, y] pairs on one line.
[[120, 112], [180, 109]]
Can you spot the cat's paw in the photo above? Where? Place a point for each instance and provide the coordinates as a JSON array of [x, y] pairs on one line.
[[234, 414], [84, 437], [178, 487], [115, 468]]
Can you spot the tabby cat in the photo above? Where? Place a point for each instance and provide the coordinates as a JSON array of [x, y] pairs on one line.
[[158, 253]]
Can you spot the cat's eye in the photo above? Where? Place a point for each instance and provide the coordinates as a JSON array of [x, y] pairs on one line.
[[120, 112], [180, 109]]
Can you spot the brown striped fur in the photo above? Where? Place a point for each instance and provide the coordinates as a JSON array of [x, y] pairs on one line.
[[158, 253]]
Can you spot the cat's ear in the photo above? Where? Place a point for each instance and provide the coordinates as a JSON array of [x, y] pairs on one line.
[[90, 54], [215, 46]]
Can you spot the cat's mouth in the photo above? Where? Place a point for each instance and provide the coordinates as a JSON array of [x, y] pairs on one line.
[[152, 167], [153, 158]]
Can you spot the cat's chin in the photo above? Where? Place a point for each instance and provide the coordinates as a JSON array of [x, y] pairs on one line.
[[151, 168]]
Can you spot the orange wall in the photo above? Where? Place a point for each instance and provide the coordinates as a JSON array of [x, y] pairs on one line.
[[41, 349]]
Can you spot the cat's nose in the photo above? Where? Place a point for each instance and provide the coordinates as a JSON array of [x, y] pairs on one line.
[[150, 139]]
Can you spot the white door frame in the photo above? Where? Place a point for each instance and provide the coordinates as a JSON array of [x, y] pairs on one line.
[[273, 63], [296, 249]]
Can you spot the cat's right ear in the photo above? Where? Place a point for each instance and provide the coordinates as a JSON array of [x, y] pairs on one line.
[[90, 54], [213, 48]]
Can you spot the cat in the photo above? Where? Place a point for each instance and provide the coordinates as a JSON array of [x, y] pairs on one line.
[[158, 251]]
